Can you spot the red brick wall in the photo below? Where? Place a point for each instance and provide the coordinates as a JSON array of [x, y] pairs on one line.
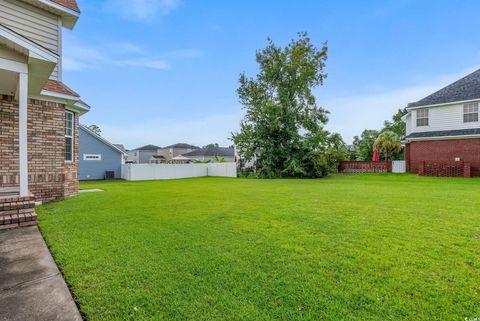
[[444, 151], [365, 167], [50, 177]]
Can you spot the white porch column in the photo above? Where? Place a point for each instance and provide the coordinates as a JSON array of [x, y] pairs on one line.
[[22, 127]]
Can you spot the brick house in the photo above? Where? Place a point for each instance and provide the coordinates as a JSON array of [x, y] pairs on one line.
[[38, 113], [443, 130]]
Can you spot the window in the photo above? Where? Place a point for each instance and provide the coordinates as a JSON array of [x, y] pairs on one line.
[[89, 157], [470, 112], [69, 136], [422, 117]]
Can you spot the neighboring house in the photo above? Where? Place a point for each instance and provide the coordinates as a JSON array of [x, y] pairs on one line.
[[444, 127], [38, 112], [180, 160], [157, 159], [121, 147], [124, 151], [169, 152], [98, 156], [209, 153], [142, 155]]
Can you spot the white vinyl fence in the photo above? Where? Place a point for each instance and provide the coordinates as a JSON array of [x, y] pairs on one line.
[[399, 167], [140, 172]]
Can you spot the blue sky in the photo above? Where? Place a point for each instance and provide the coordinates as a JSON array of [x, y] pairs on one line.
[[166, 71]]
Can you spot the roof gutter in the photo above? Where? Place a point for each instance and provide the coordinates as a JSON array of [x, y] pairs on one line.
[[415, 139]]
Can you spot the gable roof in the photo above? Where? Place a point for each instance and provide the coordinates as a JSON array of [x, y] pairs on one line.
[[467, 88], [70, 4], [148, 147], [100, 138], [182, 145], [121, 147], [212, 151], [59, 87]]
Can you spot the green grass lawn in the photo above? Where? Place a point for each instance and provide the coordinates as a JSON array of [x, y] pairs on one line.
[[360, 247]]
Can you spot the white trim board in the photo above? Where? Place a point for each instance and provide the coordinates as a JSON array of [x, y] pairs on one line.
[[14, 66]]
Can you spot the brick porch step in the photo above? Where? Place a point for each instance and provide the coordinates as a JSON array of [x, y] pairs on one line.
[[17, 211]]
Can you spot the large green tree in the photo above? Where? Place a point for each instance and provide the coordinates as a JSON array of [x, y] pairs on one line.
[[363, 145], [396, 125], [283, 128]]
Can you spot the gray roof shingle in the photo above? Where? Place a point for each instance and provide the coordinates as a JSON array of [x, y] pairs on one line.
[[148, 147], [182, 145], [212, 151], [444, 133], [121, 147], [467, 88]]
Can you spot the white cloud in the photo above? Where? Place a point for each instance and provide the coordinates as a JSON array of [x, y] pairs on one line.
[[79, 56], [141, 10], [166, 131], [350, 115]]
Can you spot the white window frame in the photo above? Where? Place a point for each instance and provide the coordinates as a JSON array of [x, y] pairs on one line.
[[92, 157], [70, 136], [422, 114], [470, 110]]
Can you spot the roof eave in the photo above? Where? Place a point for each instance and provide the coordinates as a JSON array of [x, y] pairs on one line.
[[443, 104], [414, 139], [73, 103], [69, 16]]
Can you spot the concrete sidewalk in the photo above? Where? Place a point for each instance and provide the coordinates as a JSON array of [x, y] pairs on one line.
[[31, 286]]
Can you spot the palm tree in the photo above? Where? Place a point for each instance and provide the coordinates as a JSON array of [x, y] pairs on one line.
[[219, 159], [387, 142]]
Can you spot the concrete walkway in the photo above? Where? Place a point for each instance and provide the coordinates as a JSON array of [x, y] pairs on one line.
[[31, 286]]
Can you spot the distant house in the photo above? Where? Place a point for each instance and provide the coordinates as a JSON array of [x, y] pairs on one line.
[[209, 153], [121, 147], [444, 127], [180, 160], [157, 159], [98, 156], [142, 155], [169, 152]]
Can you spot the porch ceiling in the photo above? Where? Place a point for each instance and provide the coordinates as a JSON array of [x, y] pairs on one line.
[[18, 49]]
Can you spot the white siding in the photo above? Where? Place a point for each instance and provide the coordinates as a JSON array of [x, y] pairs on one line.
[[448, 117], [408, 123], [38, 25]]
